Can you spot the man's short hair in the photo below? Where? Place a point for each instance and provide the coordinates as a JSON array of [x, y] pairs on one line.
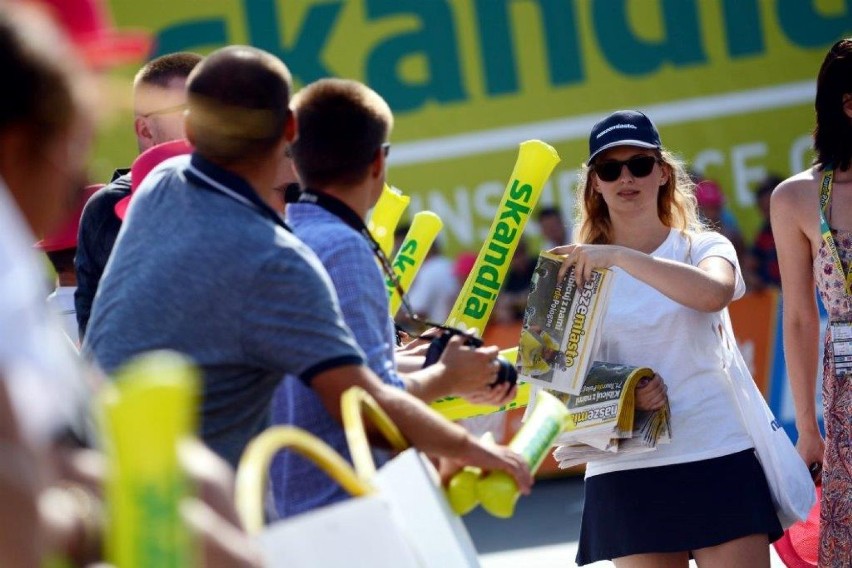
[[238, 99], [161, 71], [342, 124]]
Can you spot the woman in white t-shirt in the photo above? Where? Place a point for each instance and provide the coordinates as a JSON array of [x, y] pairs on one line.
[[704, 494]]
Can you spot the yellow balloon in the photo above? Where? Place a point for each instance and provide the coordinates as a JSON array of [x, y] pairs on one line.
[[424, 230], [461, 491], [385, 217]]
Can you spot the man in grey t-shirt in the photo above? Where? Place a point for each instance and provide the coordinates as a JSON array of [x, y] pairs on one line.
[[204, 265]]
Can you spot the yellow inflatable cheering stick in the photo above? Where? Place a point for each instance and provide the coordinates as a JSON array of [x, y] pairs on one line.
[[386, 216], [474, 304], [408, 260], [144, 414]]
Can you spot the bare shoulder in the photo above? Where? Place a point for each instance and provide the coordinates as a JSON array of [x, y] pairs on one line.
[[798, 191]]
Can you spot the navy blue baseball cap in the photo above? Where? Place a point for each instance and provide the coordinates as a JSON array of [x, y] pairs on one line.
[[623, 128]]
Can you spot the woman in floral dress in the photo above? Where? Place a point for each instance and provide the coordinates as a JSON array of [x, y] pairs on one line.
[[805, 209]]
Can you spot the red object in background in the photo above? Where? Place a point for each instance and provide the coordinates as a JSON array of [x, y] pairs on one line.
[[88, 25], [799, 547], [147, 161], [709, 194], [65, 237]]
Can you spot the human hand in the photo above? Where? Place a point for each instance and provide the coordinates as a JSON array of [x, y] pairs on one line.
[[419, 345], [497, 395], [586, 258], [489, 457], [222, 544], [651, 393], [468, 370], [811, 448], [211, 476]]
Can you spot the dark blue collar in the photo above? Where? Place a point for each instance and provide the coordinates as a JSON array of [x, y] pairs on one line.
[[212, 177]]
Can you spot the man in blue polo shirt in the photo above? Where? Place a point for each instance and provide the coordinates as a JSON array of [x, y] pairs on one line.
[[205, 266]]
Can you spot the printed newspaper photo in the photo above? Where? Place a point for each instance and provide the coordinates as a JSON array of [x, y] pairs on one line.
[[561, 326]]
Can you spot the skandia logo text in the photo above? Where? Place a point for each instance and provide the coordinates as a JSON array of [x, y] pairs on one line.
[[617, 126]]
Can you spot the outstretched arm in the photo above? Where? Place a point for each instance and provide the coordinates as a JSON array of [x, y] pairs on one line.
[[708, 287]]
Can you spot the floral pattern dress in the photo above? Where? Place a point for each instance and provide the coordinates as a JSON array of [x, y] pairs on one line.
[[836, 505]]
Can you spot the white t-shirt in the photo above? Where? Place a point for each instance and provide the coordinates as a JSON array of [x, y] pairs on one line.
[[44, 377], [644, 328], [61, 302]]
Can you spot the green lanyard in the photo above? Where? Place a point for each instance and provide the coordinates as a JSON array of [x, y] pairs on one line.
[[824, 196]]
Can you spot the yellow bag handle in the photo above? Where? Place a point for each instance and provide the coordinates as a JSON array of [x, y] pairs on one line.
[[354, 403], [253, 471]]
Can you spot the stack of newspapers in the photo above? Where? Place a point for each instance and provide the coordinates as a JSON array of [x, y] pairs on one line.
[[559, 338], [604, 421]]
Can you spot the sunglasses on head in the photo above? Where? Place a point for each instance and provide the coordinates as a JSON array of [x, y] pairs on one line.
[[638, 166]]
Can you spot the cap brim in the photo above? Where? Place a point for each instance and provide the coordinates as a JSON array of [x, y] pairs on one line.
[[112, 48], [636, 143], [121, 207]]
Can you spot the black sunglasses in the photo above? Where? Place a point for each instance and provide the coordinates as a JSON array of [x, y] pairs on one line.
[[638, 166]]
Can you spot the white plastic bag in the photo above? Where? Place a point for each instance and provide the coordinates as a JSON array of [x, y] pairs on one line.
[[790, 483], [411, 486], [362, 532]]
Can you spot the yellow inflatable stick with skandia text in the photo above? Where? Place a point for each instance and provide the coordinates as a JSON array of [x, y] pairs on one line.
[[474, 304], [150, 407], [424, 230], [386, 216]]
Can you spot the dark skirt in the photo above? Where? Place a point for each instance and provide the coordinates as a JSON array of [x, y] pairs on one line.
[[676, 508]]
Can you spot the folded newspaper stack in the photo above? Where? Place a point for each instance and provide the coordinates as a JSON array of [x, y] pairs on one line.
[[561, 326], [603, 419]]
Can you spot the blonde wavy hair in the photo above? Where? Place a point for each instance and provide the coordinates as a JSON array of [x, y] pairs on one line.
[[676, 205]]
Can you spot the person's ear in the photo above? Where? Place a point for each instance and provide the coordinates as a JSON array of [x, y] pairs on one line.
[[377, 168], [291, 127], [666, 173], [847, 105], [143, 133]]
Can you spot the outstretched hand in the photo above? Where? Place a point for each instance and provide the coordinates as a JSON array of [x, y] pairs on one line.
[[491, 457], [585, 258]]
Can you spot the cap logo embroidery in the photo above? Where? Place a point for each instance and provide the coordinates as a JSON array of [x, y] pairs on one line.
[[615, 127]]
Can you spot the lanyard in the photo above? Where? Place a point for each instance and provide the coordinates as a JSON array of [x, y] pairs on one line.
[[350, 218], [824, 196]]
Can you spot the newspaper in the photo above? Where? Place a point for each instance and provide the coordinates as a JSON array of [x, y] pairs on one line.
[[603, 419], [561, 326]]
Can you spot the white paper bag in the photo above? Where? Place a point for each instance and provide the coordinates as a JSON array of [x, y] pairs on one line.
[[412, 487], [359, 533]]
